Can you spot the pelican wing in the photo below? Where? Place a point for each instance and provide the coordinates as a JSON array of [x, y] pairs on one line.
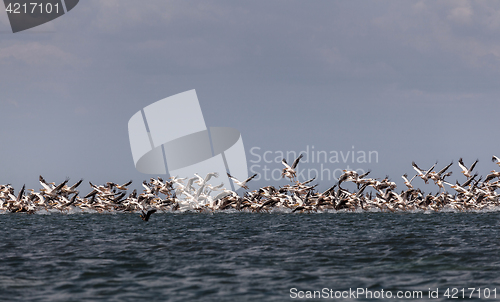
[[45, 185], [199, 177], [222, 195], [127, 184], [419, 171], [233, 178], [146, 187], [20, 195], [296, 161], [430, 169], [490, 177], [250, 178], [404, 176], [365, 174], [61, 185], [210, 175], [468, 181], [283, 161], [308, 181], [462, 166], [190, 182], [444, 169], [76, 185], [473, 165], [93, 193]]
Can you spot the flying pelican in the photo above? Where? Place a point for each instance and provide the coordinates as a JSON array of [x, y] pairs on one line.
[[225, 193], [493, 174], [466, 171], [242, 184], [124, 186], [51, 191], [202, 181], [423, 174], [72, 189], [496, 159], [145, 216], [290, 171], [408, 182], [348, 176], [437, 176]]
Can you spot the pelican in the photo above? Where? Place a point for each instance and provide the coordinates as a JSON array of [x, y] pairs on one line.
[[202, 181], [408, 182], [466, 171], [242, 184], [423, 174], [473, 194], [72, 189], [124, 186], [51, 191], [438, 177], [224, 193], [147, 189], [289, 171], [493, 174], [495, 159], [145, 216], [348, 176]]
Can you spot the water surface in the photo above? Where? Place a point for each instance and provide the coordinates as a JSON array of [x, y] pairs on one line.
[[243, 256]]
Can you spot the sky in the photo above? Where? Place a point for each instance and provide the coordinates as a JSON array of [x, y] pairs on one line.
[[407, 80]]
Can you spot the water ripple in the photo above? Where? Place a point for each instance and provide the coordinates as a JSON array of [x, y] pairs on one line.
[[240, 256]]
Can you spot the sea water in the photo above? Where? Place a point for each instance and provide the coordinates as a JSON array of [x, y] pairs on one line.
[[249, 256]]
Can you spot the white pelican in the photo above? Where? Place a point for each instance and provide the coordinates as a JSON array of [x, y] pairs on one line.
[[289, 171], [124, 186], [54, 190], [202, 181], [495, 159], [242, 184], [225, 193], [466, 171], [408, 182], [423, 174], [438, 177], [493, 174]]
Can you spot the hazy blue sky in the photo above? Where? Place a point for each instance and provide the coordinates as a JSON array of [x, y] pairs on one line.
[[412, 80]]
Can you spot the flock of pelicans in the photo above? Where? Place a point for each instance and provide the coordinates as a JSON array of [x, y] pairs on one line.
[[196, 194]]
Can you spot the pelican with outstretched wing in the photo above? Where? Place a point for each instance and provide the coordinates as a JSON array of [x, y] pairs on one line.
[[465, 171], [289, 171], [423, 174], [242, 184], [145, 216]]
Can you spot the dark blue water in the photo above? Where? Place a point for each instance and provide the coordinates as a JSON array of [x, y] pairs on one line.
[[244, 257]]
